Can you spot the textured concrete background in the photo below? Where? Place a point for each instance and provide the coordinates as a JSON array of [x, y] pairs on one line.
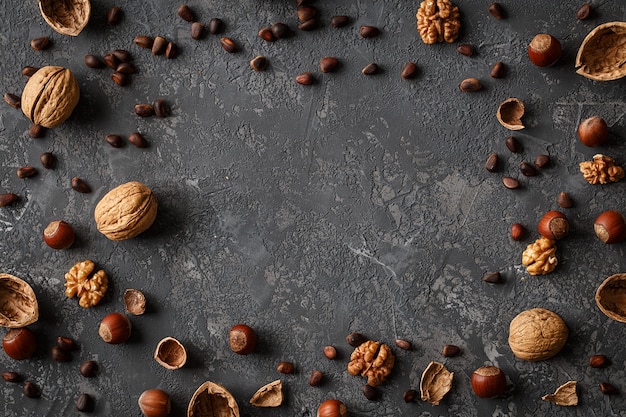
[[355, 204]]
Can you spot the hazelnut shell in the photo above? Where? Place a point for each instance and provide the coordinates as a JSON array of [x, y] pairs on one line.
[[510, 113], [170, 353]]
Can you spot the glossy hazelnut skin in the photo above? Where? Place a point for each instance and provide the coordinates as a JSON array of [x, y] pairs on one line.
[[488, 382], [553, 225], [332, 408], [593, 131], [19, 344], [59, 235], [155, 403], [115, 328], [544, 50], [242, 339], [610, 227]]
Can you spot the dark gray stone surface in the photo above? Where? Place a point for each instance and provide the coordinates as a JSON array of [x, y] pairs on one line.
[[355, 204]]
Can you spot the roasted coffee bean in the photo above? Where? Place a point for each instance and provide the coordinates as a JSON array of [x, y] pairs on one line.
[[510, 183], [144, 41], [159, 45], [138, 140], [171, 51], [306, 13], [497, 71], [186, 13], [59, 355], [26, 172], [470, 85], [36, 131], [527, 169], [48, 160], [281, 30], [491, 164], [126, 68], [114, 16], [41, 43], [8, 199], [111, 61], [583, 12], [370, 69], [197, 30], [144, 110], [66, 343], [115, 141], [85, 403], [564, 200], [355, 339], [305, 78], [542, 161], [513, 145], [160, 107], [11, 376], [120, 79], [266, 34], [339, 21], [31, 390], [29, 71], [93, 61], [409, 395], [123, 55], [13, 100], [409, 71], [80, 186], [367, 31], [229, 45], [495, 9], [492, 277], [328, 64], [450, 351], [370, 392], [309, 25], [216, 26], [316, 378], [258, 63], [465, 49], [88, 369]]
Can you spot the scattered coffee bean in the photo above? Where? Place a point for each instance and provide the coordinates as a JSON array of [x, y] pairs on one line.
[[286, 368], [330, 352], [36, 131], [88, 369], [114, 16], [160, 107], [608, 389], [48, 160], [41, 43], [111, 61], [59, 355], [31, 390], [404, 344], [306, 13], [123, 55], [305, 78], [120, 79], [583, 12], [13, 100], [370, 392], [465, 49], [266, 34], [450, 351], [491, 164], [339, 21], [138, 140], [497, 71], [229, 45], [513, 145], [409, 71], [66, 343], [171, 51], [355, 339], [144, 110], [26, 172], [309, 25], [328, 64], [8, 199], [186, 13], [470, 85], [281, 30], [11, 376], [492, 277], [367, 31], [542, 161], [126, 68], [93, 61], [527, 169], [144, 41], [159, 45], [85, 403], [115, 141], [316, 378], [80, 186], [216, 26], [495, 9], [197, 30], [564, 200], [258, 63], [510, 183], [29, 71], [409, 395]]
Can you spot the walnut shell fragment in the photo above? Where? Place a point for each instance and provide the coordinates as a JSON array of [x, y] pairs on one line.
[[50, 96], [212, 400], [537, 334], [67, 17], [602, 53], [510, 113], [126, 211], [79, 282], [436, 382], [564, 395], [18, 303], [438, 21], [373, 360], [611, 297], [270, 395], [170, 353], [134, 301]]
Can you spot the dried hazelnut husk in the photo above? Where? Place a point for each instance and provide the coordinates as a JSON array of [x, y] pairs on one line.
[[134, 301], [211, 399], [611, 297], [553, 225], [537, 334], [270, 395], [170, 353], [510, 113], [18, 303], [67, 17]]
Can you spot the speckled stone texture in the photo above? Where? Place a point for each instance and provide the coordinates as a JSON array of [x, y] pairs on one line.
[[355, 204]]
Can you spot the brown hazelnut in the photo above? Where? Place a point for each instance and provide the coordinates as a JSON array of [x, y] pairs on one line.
[[155, 403], [332, 408], [58, 235], [553, 225], [598, 361], [488, 382], [330, 352], [544, 50], [593, 131], [115, 328], [610, 227], [20, 343], [242, 339]]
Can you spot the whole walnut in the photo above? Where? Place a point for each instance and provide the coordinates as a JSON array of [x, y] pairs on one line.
[[50, 96], [126, 211], [537, 334]]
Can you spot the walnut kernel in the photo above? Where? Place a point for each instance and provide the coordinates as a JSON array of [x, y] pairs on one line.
[[539, 257], [438, 21], [602, 170], [373, 360], [79, 282]]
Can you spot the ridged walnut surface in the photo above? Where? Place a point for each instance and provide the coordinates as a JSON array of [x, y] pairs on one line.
[[212, 400], [611, 297], [537, 334], [67, 17], [602, 54], [18, 303]]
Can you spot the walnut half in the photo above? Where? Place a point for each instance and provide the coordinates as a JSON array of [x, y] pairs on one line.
[[438, 21], [539, 258], [373, 360], [79, 282]]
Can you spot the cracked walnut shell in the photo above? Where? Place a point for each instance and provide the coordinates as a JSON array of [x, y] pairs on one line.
[[79, 282], [270, 395], [18, 303], [50, 96], [212, 400], [67, 17], [537, 334], [126, 211], [564, 395], [436, 382], [438, 21], [602, 53], [611, 297], [373, 360], [602, 170], [539, 257]]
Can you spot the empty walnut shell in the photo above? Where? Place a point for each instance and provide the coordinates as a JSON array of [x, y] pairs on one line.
[[170, 353], [602, 54], [270, 395], [510, 113], [18, 303], [211, 399], [611, 297], [67, 17], [435, 383], [564, 395], [134, 301]]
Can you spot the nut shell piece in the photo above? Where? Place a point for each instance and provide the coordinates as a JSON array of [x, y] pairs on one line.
[[510, 113], [611, 297], [126, 211], [270, 395], [212, 400], [67, 17], [170, 353], [537, 334], [564, 395], [436, 382], [134, 302], [602, 53], [18, 303], [50, 96]]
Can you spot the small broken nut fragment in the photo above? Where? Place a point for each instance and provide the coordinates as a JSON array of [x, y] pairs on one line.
[[564, 395], [88, 287], [438, 21], [510, 113], [18, 303], [68, 17], [373, 360], [134, 302], [436, 382], [602, 170], [211, 399], [170, 353], [270, 395], [539, 257]]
